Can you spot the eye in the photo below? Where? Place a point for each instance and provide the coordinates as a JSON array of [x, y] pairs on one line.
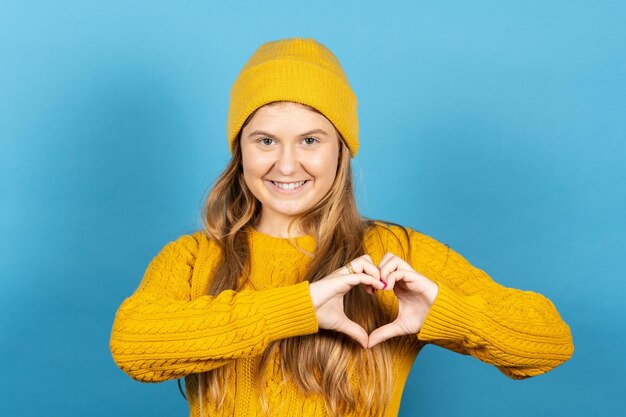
[[265, 141], [311, 140]]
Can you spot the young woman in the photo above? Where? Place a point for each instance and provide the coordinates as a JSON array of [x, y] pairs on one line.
[[290, 303]]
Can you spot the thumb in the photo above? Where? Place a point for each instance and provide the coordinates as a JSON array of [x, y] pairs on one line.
[[383, 333], [355, 331]]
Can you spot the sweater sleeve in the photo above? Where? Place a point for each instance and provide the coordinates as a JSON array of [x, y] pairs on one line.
[[519, 332], [159, 333]]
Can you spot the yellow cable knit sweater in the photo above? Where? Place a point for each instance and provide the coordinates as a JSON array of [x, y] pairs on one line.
[[167, 329]]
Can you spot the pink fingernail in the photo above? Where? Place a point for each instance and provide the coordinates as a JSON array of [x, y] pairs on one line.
[[384, 282]]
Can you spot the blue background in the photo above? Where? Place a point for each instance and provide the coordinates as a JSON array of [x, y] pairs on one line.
[[497, 127]]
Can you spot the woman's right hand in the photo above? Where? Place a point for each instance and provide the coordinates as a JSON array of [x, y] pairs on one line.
[[327, 296]]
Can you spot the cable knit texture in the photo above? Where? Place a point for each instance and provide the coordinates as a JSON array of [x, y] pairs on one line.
[[168, 329]]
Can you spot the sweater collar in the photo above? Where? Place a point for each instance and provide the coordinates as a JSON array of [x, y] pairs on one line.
[[261, 241]]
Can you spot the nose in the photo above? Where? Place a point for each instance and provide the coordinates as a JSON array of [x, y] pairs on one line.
[[287, 161]]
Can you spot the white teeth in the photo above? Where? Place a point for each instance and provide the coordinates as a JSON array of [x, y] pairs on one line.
[[288, 186]]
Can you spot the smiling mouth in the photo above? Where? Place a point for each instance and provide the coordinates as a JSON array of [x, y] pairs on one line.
[[289, 185]]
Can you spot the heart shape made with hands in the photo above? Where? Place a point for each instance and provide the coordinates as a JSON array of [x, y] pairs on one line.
[[415, 293]]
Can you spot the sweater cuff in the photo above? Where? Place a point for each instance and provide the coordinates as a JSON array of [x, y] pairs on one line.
[[452, 317], [288, 311]]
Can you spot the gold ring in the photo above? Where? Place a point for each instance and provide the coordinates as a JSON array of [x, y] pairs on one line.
[[350, 269]]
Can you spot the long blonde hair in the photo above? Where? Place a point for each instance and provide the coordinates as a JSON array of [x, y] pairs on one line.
[[319, 363]]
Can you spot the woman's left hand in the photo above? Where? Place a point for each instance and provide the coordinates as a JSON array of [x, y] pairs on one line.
[[416, 295]]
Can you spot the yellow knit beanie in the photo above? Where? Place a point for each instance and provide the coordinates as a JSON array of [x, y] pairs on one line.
[[299, 70]]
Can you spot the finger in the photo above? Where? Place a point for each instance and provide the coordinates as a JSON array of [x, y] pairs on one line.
[[388, 265], [355, 331], [402, 263], [384, 259], [383, 333], [356, 264], [394, 263], [361, 278], [393, 277], [367, 258], [365, 264], [370, 269], [408, 276]]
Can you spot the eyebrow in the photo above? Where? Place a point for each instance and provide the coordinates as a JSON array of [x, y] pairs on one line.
[[310, 132]]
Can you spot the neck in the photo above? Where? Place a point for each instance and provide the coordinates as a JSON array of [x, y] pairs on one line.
[[277, 227]]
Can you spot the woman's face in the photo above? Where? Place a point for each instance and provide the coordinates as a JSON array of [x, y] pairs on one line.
[[290, 156]]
